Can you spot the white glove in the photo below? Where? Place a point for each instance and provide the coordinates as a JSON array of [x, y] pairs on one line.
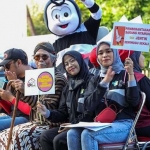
[[88, 3]]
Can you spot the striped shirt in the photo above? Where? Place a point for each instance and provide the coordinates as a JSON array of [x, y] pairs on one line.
[[51, 101]]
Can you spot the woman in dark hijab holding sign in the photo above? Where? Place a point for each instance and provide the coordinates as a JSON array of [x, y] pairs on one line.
[[143, 124], [26, 136], [72, 99]]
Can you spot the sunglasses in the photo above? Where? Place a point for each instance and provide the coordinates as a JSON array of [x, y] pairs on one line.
[[44, 57]]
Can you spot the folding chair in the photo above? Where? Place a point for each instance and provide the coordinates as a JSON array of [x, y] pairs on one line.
[[144, 142], [131, 142]]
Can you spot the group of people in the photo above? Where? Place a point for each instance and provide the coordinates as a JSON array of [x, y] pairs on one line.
[[79, 97], [114, 80]]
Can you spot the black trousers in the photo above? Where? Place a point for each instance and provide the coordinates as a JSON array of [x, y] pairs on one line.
[[145, 131], [52, 140]]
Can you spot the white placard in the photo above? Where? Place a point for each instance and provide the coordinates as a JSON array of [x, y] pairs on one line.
[[39, 81], [94, 126], [131, 36]]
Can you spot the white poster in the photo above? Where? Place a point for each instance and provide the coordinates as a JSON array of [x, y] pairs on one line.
[[131, 36], [39, 81]]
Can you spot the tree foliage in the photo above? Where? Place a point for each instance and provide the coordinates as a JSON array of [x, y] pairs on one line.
[[112, 11], [38, 20]]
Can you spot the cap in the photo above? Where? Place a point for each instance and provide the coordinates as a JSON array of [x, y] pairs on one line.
[[13, 54], [93, 57]]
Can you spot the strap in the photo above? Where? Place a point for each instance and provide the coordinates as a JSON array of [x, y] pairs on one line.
[[138, 76], [62, 127]]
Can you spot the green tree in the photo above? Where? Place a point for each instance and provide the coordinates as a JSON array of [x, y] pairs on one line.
[[38, 20], [112, 11]]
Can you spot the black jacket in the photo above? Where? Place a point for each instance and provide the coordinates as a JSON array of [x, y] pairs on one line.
[[123, 97], [69, 103]]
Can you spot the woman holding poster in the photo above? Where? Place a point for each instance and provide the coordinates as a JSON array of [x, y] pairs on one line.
[[72, 99], [143, 124]]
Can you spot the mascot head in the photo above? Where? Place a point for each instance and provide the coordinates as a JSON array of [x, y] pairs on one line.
[[62, 17]]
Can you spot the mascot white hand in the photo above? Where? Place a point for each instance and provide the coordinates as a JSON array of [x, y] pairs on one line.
[[63, 18]]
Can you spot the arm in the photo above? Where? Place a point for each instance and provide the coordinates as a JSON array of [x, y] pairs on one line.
[[51, 101], [133, 92], [23, 107], [93, 23], [59, 115], [93, 94]]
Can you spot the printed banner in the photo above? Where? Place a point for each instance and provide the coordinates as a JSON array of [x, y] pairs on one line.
[[131, 36], [39, 81]]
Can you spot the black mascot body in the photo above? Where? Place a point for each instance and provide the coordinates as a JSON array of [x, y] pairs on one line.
[[63, 18]]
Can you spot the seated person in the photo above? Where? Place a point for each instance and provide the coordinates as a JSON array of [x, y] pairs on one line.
[[108, 88], [15, 63], [26, 136], [143, 124], [72, 98]]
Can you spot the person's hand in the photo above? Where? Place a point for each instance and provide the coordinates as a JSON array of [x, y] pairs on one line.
[[42, 109], [11, 75], [109, 75], [18, 85], [129, 66], [6, 95]]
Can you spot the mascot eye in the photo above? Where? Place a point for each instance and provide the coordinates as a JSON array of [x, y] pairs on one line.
[[65, 11], [56, 16], [66, 14]]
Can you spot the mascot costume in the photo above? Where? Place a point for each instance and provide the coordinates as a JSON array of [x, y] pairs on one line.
[[63, 18]]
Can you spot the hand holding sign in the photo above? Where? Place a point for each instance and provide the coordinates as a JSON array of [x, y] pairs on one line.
[[129, 66]]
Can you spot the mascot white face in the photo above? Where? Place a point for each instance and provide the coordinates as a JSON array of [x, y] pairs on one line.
[[62, 20]]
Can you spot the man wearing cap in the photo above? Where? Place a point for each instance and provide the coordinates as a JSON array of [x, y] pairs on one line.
[[26, 136], [15, 63]]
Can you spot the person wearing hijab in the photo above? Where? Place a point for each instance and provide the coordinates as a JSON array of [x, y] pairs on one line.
[[26, 136], [110, 87], [143, 123], [71, 109]]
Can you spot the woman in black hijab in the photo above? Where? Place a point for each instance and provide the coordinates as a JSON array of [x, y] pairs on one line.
[[143, 124], [71, 104]]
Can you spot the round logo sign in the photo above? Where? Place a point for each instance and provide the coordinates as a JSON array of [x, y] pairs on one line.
[[45, 81]]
